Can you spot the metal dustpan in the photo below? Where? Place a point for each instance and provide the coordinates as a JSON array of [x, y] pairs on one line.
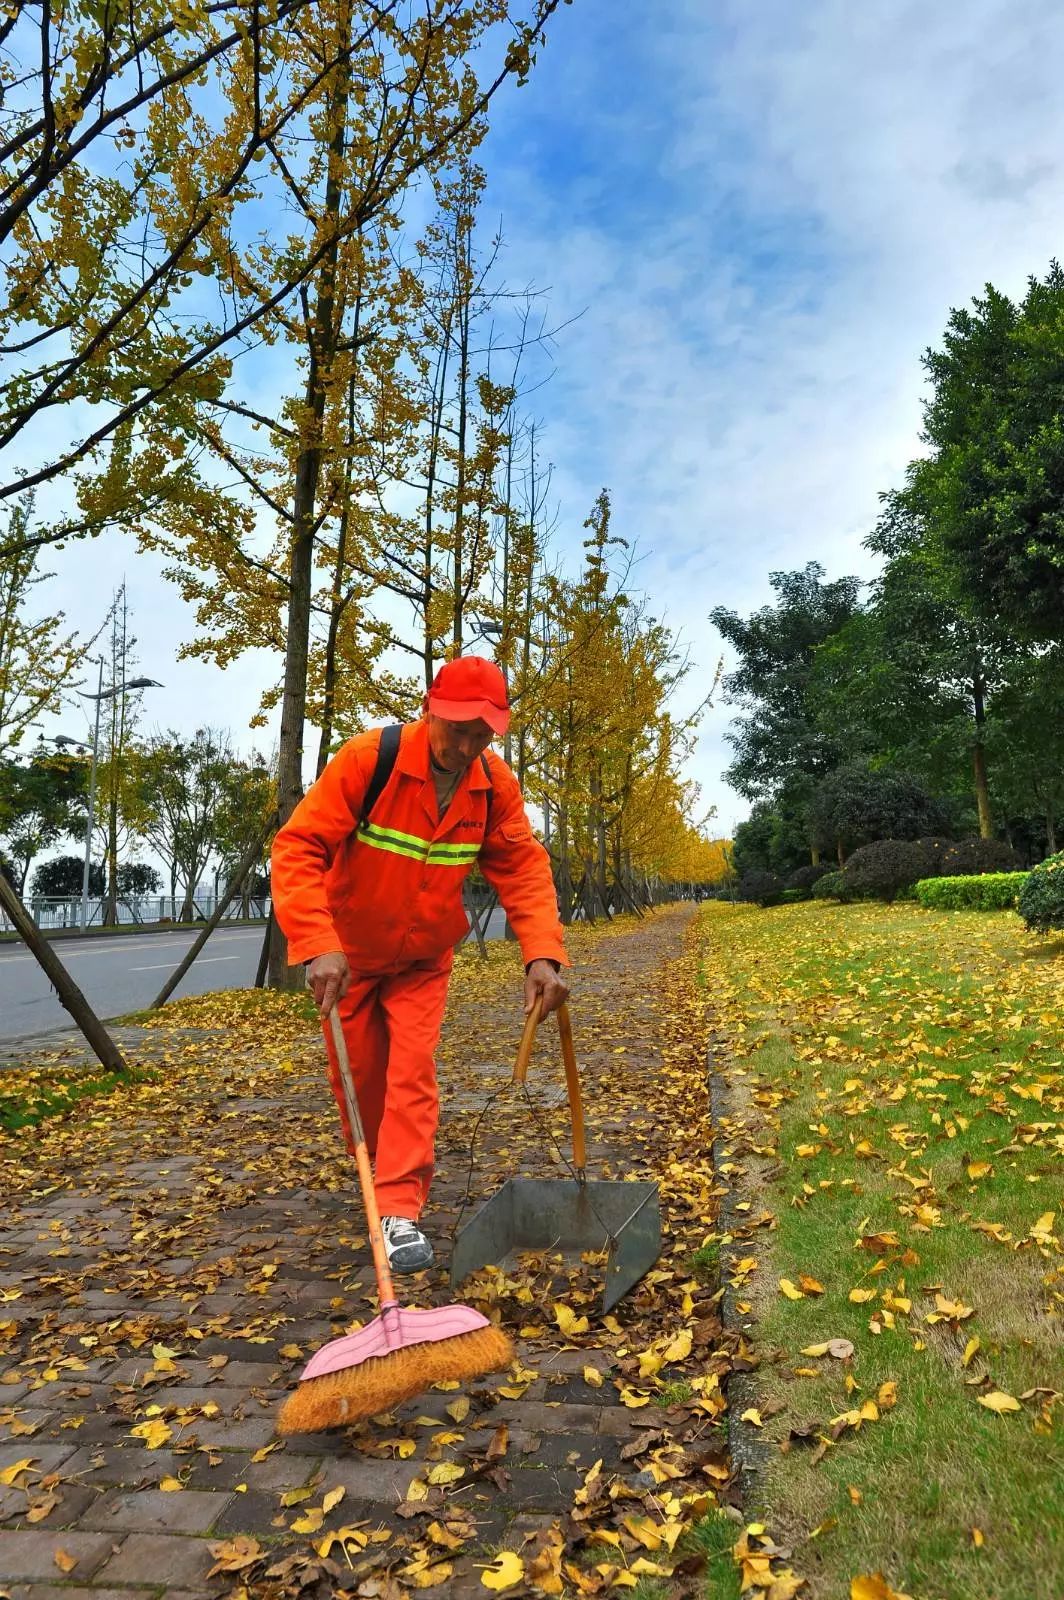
[[566, 1214]]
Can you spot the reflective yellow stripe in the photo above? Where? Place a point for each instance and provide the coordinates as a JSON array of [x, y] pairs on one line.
[[421, 845], [415, 849], [393, 849], [455, 852]]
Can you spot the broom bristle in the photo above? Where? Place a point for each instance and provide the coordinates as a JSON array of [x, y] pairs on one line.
[[382, 1382]]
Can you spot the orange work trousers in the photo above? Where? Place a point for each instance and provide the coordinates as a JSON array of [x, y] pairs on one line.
[[391, 1024]]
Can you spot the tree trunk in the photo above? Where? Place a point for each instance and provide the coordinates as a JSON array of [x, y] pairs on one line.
[[322, 346], [110, 914], [1051, 834], [814, 854], [982, 791], [840, 852]]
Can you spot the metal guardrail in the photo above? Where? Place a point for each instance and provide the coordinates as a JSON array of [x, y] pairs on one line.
[[51, 912]]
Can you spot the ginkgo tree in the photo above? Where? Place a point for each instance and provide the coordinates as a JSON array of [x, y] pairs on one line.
[[38, 659], [139, 263]]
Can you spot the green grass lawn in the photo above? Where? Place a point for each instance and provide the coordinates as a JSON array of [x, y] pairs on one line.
[[900, 1073]]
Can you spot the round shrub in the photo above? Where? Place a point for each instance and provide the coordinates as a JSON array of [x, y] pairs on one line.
[[763, 888], [830, 886], [1041, 902], [966, 857], [805, 877], [890, 867]]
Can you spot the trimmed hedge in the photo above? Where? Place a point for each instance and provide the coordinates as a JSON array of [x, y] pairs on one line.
[[1041, 903], [987, 891]]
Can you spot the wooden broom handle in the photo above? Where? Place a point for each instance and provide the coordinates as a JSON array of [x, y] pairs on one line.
[[572, 1075], [385, 1288]]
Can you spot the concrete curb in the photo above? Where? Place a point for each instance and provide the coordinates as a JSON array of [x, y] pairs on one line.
[[749, 1451]]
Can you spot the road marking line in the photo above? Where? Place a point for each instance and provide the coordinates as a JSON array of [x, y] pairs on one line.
[[112, 949], [204, 961]]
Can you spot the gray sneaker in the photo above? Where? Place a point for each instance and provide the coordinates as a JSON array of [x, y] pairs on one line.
[[408, 1249]]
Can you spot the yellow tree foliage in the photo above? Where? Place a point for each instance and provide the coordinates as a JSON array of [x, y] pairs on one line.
[[38, 661]]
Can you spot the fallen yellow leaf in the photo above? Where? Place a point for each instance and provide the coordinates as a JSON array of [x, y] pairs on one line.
[[874, 1587], [568, 1321], [788, 1288], [155, 1433], [680, 1348], [1000, 1402], [506, 1570], [593, 1376]]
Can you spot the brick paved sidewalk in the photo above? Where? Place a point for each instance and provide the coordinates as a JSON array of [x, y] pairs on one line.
[[175, 1276]]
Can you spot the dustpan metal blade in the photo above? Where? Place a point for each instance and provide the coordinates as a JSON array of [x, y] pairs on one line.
[[637, 1247], [562, 1214]]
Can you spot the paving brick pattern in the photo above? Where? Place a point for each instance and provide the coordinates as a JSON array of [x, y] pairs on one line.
[[117, 1248]]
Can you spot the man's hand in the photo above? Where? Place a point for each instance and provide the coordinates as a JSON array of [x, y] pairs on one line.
[[544, 984], [328, 977]]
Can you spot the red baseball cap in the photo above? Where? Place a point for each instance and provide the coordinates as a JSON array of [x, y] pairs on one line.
[[468, 688]]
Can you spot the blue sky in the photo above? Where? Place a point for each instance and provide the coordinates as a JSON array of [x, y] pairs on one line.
[[764, 214]]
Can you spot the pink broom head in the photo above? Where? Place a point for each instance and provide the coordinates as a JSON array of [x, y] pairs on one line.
[[398, 1355], [393, 1330]]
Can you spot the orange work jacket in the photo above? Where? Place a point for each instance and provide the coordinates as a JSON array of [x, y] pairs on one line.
[[388, 891]]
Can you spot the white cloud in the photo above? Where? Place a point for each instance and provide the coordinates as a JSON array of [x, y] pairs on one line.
[[829, 181]]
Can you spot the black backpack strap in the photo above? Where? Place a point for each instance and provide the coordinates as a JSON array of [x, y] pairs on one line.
[[387, 751], [491, 791]]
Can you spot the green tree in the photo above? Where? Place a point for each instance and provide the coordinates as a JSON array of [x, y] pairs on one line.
[[38, 660], [856, 805], [1027, 740], [779, 743], [61, 878], [136, 878], [247, 806], [773, 838], [40, 803], [182, 788], [990, 493], [909, 681]]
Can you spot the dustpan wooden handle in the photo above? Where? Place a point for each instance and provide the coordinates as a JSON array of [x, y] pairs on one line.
[[572, 1075]]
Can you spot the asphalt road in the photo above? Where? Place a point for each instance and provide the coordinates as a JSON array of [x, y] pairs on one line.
[[126, 972]]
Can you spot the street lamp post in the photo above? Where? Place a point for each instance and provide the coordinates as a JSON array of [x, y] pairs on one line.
[[101, 695]]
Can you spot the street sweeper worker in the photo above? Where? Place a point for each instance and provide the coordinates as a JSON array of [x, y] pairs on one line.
[[367, 881]]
